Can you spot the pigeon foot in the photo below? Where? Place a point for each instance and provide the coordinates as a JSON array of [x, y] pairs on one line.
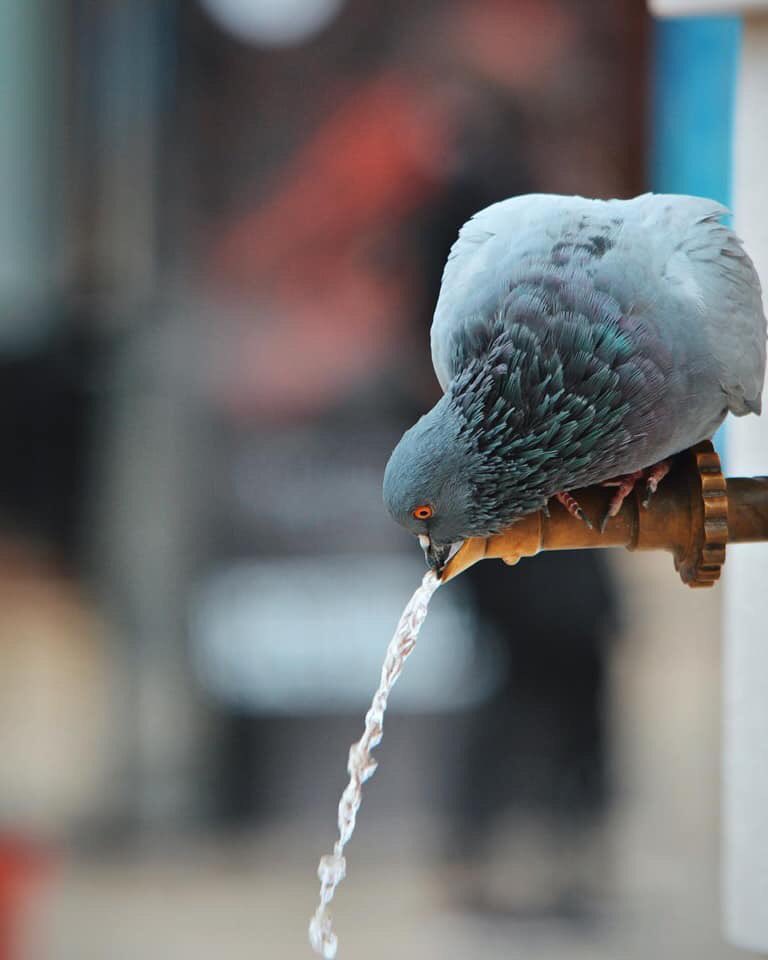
[[626, 484], [572, 506]]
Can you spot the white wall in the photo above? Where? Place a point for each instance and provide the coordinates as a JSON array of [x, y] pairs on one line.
[[745, 763]]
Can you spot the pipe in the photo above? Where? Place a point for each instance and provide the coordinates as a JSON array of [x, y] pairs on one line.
[[747, 509], [694, 513]]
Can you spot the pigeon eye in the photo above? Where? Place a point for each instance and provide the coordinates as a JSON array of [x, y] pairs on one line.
[[424, 512]]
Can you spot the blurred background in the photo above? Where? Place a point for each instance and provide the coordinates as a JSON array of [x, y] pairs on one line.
[[222, 229]]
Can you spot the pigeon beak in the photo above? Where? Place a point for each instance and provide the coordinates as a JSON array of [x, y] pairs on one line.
[[437, 556]]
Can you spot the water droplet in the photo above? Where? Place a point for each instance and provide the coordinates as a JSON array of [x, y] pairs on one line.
[[321, 936], [331, 869]]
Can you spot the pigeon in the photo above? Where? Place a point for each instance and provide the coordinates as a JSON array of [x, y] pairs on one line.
[[576, 342]]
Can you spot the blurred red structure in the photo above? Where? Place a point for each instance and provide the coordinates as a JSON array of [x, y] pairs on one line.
[[24, 869]]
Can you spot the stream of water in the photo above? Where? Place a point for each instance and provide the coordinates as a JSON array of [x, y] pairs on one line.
[[361, 766]]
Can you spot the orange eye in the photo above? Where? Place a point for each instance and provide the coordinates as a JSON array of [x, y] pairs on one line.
[[424, 512]]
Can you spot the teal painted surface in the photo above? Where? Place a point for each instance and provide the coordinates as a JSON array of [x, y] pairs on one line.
[[695, 61], [693, 91]]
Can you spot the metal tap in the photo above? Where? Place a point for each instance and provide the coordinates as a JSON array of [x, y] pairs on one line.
[[693, 515]]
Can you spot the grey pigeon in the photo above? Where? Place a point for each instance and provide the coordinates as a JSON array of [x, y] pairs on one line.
[[575, 341]]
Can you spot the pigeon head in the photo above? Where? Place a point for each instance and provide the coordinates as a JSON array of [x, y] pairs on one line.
[[473, 465], [428, 482], [505, 437]]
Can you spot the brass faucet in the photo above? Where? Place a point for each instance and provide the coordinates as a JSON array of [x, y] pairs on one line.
[[694, 513]]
